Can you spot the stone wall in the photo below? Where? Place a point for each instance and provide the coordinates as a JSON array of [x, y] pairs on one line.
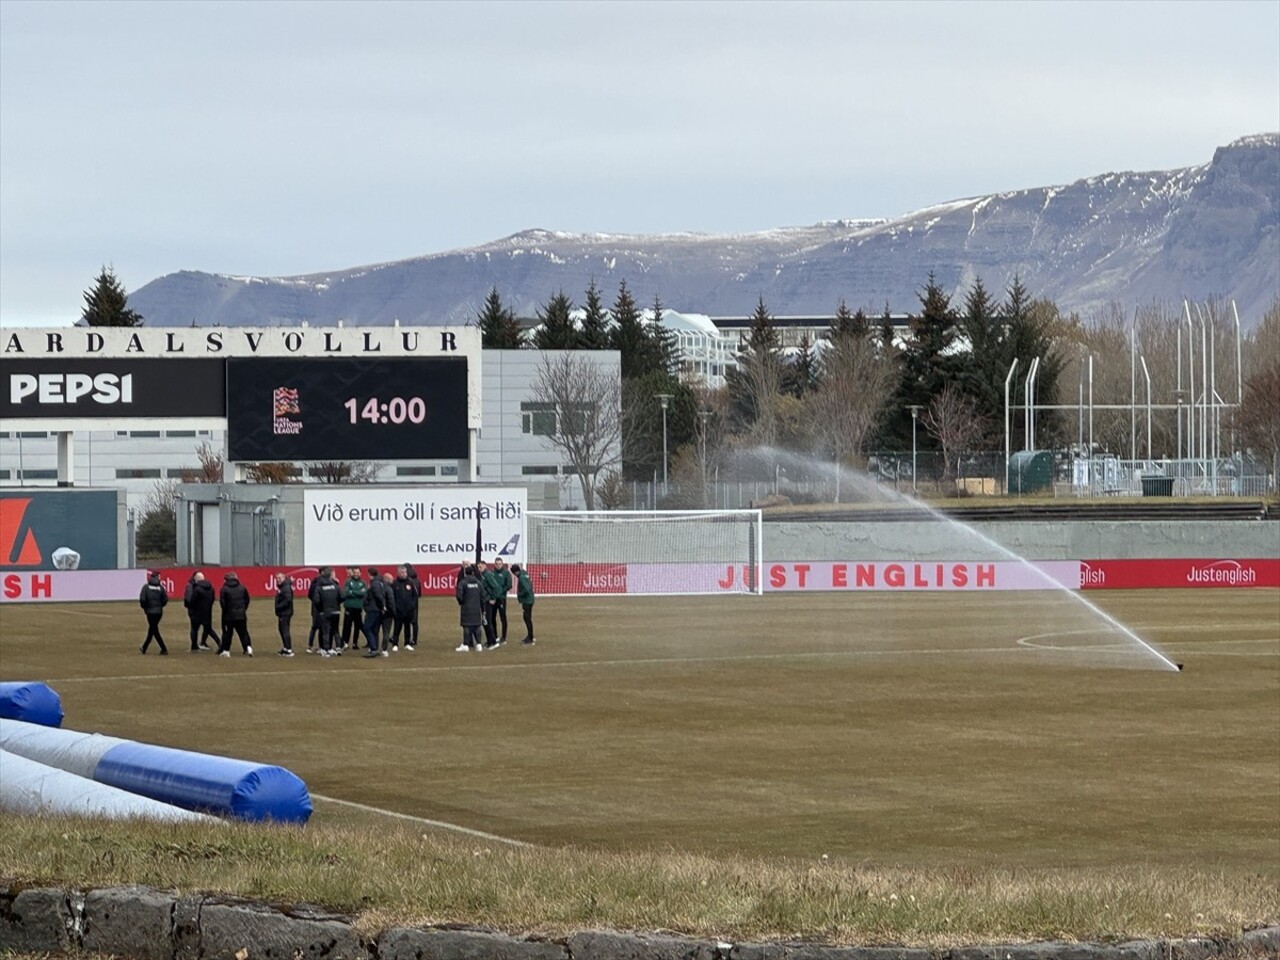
[[146, 924]]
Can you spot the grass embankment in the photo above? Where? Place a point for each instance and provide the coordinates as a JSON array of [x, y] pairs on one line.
[[397, 875]]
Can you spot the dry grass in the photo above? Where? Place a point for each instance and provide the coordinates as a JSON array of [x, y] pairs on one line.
[[685, 764], [399, 876]]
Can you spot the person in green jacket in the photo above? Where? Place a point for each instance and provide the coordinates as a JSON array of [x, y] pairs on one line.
[[353, 593], [501, 574], [525, 597], [489, 595]]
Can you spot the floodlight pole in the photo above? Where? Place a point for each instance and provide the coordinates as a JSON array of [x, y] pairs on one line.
[[665, 400], [915, 415], [1007, 439]]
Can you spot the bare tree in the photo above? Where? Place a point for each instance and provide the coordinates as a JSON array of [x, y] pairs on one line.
[[1259, 416], [952, 418], [273, 472], [585, 399], [344, 471], [210, 469], [857, 384]]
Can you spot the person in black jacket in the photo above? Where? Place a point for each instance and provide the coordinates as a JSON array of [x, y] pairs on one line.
[[234, 598], [411, 640], [152, 600], [199, 598], [284, 613], [470, 595], [403, 607], [328, 604], [375, 608]]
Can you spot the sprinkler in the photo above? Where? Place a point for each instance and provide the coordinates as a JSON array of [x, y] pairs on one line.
[[1179, 666]]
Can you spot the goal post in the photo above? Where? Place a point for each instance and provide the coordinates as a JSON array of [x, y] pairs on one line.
[[646, 552]]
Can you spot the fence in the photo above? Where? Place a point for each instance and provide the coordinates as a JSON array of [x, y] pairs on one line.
[[976, 474]]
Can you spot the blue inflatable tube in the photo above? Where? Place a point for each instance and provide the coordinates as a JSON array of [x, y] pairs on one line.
[[194, 781], [31, 702], [200, 781]]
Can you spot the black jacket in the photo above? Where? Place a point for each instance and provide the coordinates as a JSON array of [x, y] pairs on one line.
[[406, 597], [153, 597], [379, 596], [284, 599], [234, 598], [198, 598], [327, 595], [471, 600]]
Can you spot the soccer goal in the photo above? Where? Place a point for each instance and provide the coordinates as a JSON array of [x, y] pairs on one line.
[[645, 552]]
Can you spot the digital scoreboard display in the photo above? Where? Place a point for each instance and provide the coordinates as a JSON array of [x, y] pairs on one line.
[[346, 409]]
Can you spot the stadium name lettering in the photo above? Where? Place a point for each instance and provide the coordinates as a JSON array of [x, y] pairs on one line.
[[222, 341], [870, 576]]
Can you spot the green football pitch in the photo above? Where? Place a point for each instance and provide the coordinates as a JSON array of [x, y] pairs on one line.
[[1005, 729]]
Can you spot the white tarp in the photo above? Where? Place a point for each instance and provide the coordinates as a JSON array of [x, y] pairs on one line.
[[70, 750], [28, 787]]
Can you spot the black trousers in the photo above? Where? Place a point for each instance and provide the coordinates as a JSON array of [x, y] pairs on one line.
[[241, 629], [499, 612], [328, 630], [286, 637], [405, 624], [471, 636], [528, 621], [199, 622], [412, 637], [352, 620], [153, 633]]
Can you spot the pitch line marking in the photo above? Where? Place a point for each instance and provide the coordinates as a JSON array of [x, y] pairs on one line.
[[439, 824]]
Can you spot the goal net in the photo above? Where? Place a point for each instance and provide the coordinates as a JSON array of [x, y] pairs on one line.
[[645, 552]]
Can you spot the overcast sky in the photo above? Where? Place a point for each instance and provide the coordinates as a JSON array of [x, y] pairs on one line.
[[287, 138]]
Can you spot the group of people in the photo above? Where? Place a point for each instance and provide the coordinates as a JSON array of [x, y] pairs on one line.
[[482, 598], [382, 609]]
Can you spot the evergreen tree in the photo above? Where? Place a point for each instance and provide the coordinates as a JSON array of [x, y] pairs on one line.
[[662, 343], [845, 323], [499, 328], [1029, 332], [928, 365], [107, 304], [802, 371], [886, 329], [755, 384], [594, 334], [982, 367], [557, 330], [628, 334]]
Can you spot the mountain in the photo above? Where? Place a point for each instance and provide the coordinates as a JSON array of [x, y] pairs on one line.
[[1130, 238]]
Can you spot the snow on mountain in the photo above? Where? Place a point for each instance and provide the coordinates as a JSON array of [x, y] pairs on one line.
[[1125, 237]]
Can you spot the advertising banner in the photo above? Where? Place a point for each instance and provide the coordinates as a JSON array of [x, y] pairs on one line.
[[957, 575], [58, 530], [347, 409], [88, 388], [429, 525], [1144, 574]]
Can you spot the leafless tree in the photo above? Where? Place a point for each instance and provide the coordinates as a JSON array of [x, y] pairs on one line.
[[1259, 417], [856, 386], [586, 401], [273, 472], [344, 471], [952, 418], [210, 469], [161, 498]]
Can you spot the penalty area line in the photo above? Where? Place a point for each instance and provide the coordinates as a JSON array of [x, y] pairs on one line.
[[439, 824]]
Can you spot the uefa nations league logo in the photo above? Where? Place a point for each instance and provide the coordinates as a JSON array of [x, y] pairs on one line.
[[286, 413]]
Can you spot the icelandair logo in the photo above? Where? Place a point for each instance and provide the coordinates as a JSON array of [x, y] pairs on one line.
[[1229, 572]]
